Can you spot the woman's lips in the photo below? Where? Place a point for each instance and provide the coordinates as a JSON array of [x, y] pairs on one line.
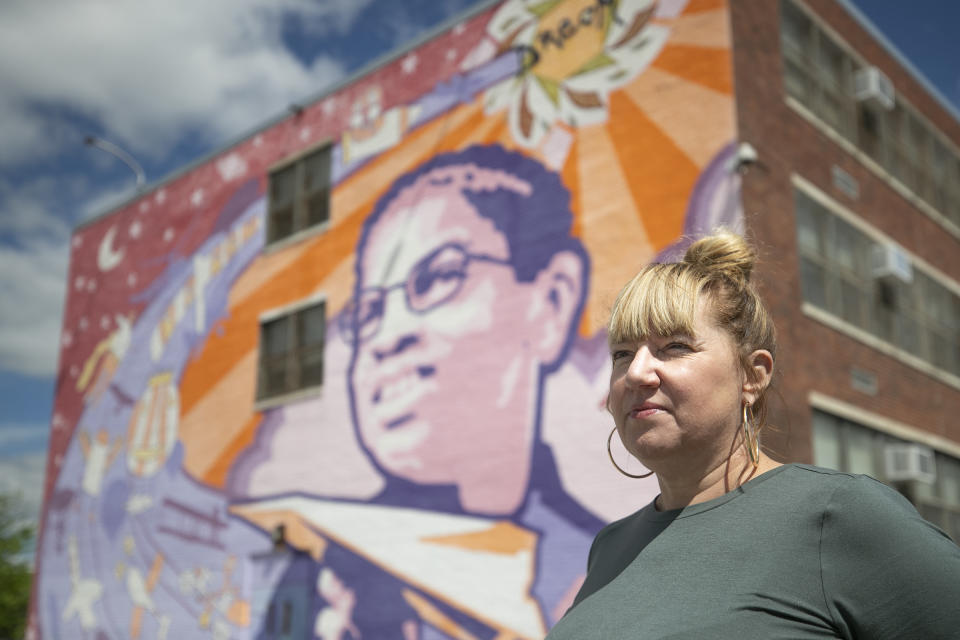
[[646, 410]]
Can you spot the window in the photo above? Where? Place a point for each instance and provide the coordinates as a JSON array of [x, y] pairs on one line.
[[848, 446], [921, 318], [299, 195], [818, 73], [291, 351]]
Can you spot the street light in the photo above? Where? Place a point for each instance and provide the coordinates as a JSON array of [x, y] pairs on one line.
[[123, 156]]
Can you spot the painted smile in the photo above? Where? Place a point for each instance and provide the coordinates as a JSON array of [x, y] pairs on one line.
[[393, 398]]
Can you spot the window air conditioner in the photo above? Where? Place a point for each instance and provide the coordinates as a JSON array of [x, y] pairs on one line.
[[890, 261], [909, 462], [871, 85]]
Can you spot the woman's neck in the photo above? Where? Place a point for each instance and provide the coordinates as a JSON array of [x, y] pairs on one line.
[[678, 490]]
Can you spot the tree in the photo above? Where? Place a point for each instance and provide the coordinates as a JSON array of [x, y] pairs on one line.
[[15, 574]]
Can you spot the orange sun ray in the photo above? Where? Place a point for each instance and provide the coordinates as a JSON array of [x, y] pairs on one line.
[[672, 103], [659, 174], [712, 68]]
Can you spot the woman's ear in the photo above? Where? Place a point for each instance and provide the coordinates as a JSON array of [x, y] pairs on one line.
[[557, 293], [759, 372]]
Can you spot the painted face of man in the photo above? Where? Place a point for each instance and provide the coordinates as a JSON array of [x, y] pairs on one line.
[[444, 367]]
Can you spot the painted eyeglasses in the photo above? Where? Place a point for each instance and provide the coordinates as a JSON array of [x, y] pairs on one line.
[[434, 280]]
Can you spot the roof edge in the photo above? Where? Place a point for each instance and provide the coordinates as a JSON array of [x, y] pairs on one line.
[[365, 70], [900, 58]]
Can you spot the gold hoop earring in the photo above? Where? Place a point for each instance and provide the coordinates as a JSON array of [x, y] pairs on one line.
[[610, 453], [751, 439]]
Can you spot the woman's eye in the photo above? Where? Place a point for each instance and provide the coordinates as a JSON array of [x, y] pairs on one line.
[[677, 346], [619, 355]]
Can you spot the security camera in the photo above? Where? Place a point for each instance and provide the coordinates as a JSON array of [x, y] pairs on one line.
[[744, 157], [746, 154]]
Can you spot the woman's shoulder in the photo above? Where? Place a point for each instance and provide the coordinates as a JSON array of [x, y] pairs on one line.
[[843, 484], [854, 502], [838, 484]]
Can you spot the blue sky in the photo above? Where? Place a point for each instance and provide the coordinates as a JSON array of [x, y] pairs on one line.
[[170, 82]]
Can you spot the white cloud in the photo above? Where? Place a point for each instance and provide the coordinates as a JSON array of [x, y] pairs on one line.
[[23, 475], [33, 269], [149, 72], [29, 208], [145, 75], [33, 277]]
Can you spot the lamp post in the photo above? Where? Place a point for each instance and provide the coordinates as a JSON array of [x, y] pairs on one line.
[[123, 156]]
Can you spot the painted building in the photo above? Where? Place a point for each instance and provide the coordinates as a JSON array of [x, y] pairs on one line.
[[346, 378]]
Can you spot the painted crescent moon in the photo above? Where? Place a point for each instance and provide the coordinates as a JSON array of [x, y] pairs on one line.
[[107, 257]]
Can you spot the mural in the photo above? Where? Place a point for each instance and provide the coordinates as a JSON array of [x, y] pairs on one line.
[[491, 190]]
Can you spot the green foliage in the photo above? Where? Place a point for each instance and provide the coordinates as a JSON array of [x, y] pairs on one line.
[[15, 575]]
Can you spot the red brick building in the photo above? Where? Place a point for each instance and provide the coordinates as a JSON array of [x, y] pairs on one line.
[[312, 381], [856, 204]]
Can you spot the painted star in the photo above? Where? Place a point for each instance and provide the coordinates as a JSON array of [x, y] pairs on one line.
[[80, 604]]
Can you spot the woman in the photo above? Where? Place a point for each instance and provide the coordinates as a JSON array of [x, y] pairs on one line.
[[738, 545]]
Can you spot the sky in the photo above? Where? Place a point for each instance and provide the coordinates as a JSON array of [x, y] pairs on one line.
[[170, 82]]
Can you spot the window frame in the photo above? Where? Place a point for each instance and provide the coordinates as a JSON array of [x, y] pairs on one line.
[[929, 499], [300, 198], [889, 151], [294, 355], [912, 308]]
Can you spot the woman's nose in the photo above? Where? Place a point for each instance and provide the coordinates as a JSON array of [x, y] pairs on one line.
[[642, 371]]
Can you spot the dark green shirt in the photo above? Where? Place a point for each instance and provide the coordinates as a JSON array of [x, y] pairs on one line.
[[798, 552]]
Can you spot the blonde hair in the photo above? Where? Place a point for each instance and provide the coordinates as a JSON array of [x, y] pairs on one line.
[[662, 300]]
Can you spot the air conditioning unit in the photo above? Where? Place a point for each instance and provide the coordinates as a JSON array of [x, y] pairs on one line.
[[909, 462], [888, 261], [871, 85]]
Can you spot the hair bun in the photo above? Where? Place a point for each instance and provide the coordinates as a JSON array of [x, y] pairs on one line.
[[725, 253]]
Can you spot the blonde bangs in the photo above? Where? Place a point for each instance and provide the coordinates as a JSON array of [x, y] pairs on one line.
[[661, 300]]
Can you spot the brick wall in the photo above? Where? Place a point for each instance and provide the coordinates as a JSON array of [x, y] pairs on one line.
[[814, 357]]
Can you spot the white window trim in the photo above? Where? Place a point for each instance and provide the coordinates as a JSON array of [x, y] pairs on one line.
[[851, 148], [881, 423], [815, 193], [273, 314], [873, 166], [295, 238], [838, 324], [288, 398], [828, 319], [293, 307]]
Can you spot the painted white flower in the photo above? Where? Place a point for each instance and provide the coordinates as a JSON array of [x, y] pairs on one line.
[[574, 53]]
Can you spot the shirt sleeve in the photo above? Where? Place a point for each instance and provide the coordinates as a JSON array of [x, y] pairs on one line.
[[886, 572]]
